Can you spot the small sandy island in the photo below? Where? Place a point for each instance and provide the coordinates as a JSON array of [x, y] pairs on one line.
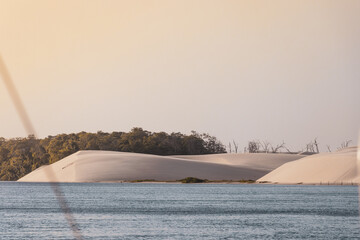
[[341, 167], [108, 166]]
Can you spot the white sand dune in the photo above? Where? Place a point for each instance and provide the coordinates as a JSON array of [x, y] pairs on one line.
[[260, 161], [340, 167], [107, 166]]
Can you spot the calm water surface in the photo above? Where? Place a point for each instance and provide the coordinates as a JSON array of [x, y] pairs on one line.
[[181, 211]]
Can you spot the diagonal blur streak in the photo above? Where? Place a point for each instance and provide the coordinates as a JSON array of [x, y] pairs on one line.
[[15, 97]]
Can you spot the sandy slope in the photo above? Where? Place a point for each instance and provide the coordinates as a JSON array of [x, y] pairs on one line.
[[260, 161], [103, 166], [334, 168]]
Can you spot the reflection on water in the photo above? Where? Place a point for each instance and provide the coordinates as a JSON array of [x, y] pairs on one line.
[[180, 211]]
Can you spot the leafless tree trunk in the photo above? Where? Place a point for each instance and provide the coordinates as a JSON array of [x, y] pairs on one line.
[[287, 149], [265, 146], [310, 147], [316, 145], [328, 147], [344, 144], [236, 146], [230, 150], [313, 146], [278, 147]]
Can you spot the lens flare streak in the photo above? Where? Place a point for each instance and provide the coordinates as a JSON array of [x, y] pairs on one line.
[[30, 130]]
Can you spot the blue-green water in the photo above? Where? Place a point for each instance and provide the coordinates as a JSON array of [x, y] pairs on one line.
[[180, 211]]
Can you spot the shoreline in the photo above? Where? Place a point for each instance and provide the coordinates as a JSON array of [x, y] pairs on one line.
[[213, 182]]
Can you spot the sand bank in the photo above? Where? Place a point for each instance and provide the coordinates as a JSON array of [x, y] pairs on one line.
[[339, 167], [108, 166]]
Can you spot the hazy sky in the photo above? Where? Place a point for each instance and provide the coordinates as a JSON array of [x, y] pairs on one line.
[[242, 70]]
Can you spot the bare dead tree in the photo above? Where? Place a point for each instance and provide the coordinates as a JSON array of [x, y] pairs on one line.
[[313, 146], [236, 146], [265, 146], [344, 144], [328, 147], [316, 145], [245, 149], [277, 148], [230, 150], [287, 149], [310, 147]]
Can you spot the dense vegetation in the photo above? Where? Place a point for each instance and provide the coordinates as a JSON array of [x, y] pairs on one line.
[[193, 180], [20, 156]]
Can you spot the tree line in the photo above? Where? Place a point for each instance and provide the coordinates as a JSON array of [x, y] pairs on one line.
[[19, 156]]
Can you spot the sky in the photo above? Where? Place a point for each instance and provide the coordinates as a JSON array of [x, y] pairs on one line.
[[239, 70]]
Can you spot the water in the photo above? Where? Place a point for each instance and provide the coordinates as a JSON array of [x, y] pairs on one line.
[[180, 211]]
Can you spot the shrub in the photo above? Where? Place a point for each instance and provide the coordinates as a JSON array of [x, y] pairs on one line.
[[193, 180]]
